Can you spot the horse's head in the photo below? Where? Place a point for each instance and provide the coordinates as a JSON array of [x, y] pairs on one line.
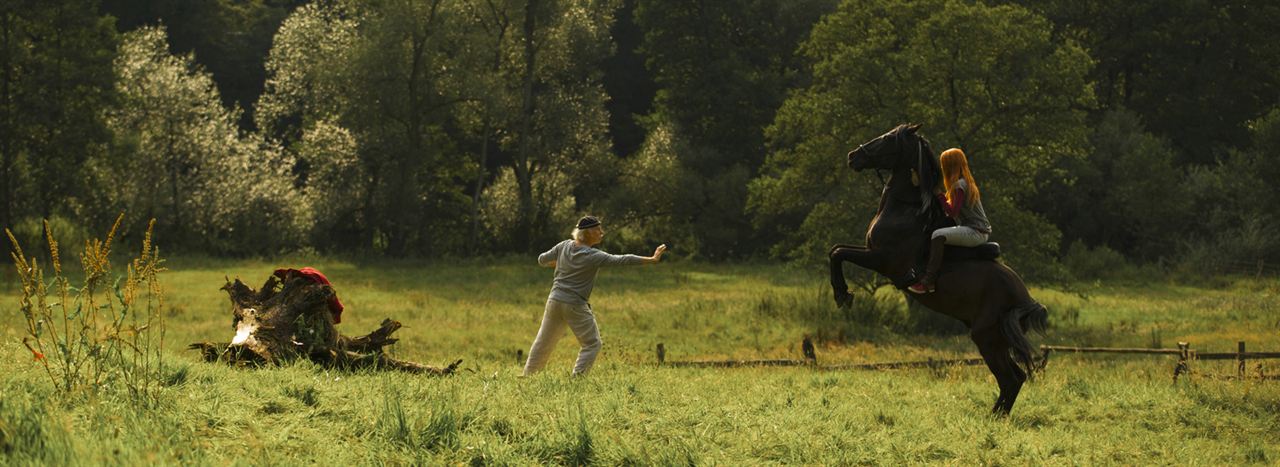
[[885, 151]]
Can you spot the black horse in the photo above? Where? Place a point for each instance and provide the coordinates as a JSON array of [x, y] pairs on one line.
[[989, 297]]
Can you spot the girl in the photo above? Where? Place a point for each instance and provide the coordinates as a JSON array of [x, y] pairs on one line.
[[962, 202], [576, 262]]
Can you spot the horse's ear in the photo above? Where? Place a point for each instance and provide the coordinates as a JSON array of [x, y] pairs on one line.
[[913, 127]]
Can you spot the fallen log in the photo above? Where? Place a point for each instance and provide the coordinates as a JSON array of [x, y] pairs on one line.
[[290, 319]]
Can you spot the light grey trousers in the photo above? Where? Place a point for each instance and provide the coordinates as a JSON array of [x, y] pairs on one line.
[[578, 318], [961, 236]]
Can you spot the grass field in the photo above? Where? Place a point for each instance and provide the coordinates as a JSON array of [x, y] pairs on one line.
[[1082, 410]]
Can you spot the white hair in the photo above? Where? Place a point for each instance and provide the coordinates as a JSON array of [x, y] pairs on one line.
[[581, 234]]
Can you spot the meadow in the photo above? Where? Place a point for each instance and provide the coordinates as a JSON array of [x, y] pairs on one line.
[[1081, 410]]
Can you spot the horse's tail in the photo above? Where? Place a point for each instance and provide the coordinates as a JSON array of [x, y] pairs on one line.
[[1017, 323]]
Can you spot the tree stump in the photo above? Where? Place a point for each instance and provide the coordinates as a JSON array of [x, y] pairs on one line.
[[290, 319]]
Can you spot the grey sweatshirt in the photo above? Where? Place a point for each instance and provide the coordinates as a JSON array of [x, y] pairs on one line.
[[576, 268], [971, 214]]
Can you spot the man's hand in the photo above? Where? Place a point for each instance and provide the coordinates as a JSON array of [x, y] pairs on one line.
[[657, 253]]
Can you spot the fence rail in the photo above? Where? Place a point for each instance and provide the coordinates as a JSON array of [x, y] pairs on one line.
[[1184, 353], [811, 360], [1063, 348]]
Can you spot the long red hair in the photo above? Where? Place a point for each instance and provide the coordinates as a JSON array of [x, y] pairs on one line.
[[954, 166]]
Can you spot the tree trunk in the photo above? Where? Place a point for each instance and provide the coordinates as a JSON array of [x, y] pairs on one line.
[[290, 319], [473, 240], [523, 169], [7, 136]]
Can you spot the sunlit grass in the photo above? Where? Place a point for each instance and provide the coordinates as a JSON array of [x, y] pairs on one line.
[[1082, 410]]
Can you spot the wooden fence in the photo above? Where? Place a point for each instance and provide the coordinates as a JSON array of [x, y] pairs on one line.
[[1184, 353], [810, 360]]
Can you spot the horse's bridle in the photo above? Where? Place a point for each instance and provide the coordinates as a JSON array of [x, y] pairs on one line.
[[897, 142], [924, 208]]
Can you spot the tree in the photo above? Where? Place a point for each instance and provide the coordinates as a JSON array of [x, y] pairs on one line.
[[542, 110], [380, 79], [179, 157], [1124, 195], [987, 79], [307, 71], [647, 203], [629, 84], [722, 69], [433, 95], [55, 81], [1195, 71], [335, 186], [229, 38]]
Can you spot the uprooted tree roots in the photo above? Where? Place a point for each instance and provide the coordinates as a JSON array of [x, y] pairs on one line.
[[290, 319]]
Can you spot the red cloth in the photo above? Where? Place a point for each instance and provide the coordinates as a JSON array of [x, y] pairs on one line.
[[335, 305], [952, 209]]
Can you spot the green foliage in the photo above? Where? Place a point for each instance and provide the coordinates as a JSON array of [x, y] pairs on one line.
[[650, 202], [1127, 194], [722, 71], [335, 186], [1196, 72], [305, 70], [229, 38], [1262, 155], [31, 231], [988, 79], [1141, 202], [1098, 263], [553, 200], [179, 153], [259, 126], [1234, 200], [432, 94], [55, 80]]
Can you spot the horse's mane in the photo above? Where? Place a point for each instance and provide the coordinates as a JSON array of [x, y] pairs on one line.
[[929, 171]]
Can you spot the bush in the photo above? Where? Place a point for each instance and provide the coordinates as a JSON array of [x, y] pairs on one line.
[[1099, 263], [31, 231], [1232, 250]]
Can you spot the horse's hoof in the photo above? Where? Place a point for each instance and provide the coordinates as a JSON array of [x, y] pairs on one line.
[[1000, 411], [844, 300]]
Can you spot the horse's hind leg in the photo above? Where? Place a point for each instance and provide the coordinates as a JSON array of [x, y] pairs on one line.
[[995, 352]]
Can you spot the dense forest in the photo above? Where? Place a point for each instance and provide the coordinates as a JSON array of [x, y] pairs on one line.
[[1105, 135]]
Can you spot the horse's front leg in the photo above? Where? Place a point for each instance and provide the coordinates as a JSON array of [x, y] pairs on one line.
[[854, 254]]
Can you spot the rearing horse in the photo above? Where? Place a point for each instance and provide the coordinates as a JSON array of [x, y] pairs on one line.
[[989, 297]]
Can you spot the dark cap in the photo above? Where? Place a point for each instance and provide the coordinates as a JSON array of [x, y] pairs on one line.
[[587, 222]]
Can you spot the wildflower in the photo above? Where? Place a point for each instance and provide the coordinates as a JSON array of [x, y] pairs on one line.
[[34, 353]]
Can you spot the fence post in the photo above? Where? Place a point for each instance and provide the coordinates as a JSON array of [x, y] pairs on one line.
[[662, 353], [1183, 365], [806, 347], [1240, 358]]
